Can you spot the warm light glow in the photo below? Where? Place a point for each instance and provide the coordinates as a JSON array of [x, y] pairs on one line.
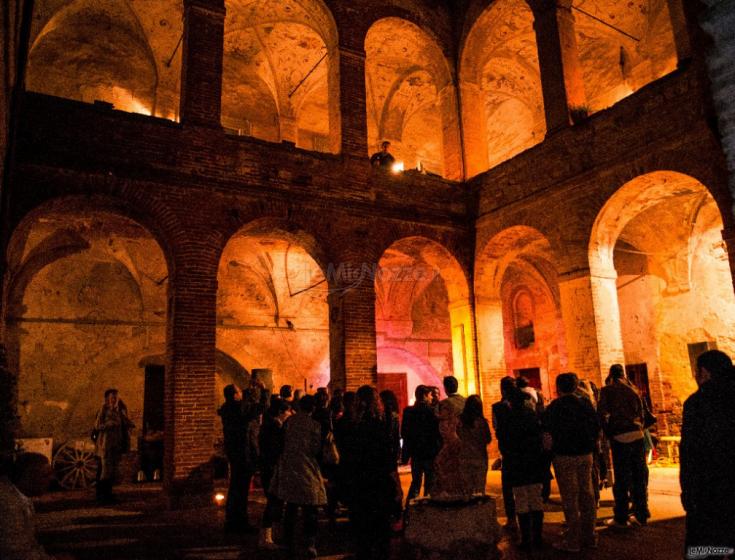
[[397, 167], [219, 498]]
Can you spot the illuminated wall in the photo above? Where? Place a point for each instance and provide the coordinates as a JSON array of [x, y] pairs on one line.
[[124, 53], [500, 83], [280, 73], [673, 279], [272, 309], [87, 305]]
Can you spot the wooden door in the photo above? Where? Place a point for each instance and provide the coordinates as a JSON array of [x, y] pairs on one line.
[[398, 383]]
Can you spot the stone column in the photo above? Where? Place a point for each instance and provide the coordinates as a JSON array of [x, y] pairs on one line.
[[591, 317], [680, 29], [190, 375], [558, 56], [352, 345], [353, 104], [462, 321], [201, 62], [451, 141], [474, 128]]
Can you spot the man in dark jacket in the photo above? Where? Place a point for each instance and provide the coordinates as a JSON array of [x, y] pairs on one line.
[[239, 427], [501, 412], [572, 424], [421, 442], [707, 458], [621, 414]]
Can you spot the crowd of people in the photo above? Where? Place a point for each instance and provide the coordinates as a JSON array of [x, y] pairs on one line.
[[324, 450]]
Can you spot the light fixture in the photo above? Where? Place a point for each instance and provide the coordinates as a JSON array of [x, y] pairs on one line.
[[397, 167], [219, 498]]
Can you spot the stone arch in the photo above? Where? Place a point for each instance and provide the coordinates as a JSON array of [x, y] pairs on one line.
[[656, 250], [637, 47], [423, 306], [518, 259], [272, 309], [281, 73], [86, 297], [411, 99], [110, 51], [500, 86]]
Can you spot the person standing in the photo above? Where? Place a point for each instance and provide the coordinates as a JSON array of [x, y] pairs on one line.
[[474, 432], [622, 416], [112, 427], [526, 466], [454, 403], [500, 411], [707, 457], [270, 444], [421, 442], [374, 489], [572, 425], [297, 480], [383, 159], [241, 450]]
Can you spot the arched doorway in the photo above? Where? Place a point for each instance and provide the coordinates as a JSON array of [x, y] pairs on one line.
[[424, 321], [272, 309], [87, 301], [519, 325]]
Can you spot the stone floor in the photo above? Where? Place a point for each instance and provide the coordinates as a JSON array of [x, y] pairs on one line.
[[139, 528]]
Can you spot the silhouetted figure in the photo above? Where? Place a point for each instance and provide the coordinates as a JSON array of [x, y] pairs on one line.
[[474, 431], [241, 449], [500, 411], [383, 159], [421, 442], [572, 425], [112, 427], [622, 416], [708, 455]]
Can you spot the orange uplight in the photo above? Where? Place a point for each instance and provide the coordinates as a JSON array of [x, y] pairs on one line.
[[397, 167], [219, 499]]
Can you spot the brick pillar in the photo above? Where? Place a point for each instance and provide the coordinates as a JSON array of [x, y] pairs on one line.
[[201, 63], [352, 345], [490, 347], [353, 104], [189, 394], [451, 141], [474, 129], [558, 56], [591, 317]]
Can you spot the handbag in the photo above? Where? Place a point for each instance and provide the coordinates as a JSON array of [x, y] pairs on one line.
[[329, 453]]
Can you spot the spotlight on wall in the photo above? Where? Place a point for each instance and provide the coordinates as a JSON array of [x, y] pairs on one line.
[[397, 167]]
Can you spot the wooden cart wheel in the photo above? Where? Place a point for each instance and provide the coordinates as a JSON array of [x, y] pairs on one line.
[[75, 465]]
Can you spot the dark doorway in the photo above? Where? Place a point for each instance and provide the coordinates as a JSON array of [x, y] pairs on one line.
[[638, 375], [532, 374], [398, 383], [151, 441]]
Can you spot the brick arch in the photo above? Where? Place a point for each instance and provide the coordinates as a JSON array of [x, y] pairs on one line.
[[352, 30], [295, 229], [505, 247], [160, 223], [635, 196]]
